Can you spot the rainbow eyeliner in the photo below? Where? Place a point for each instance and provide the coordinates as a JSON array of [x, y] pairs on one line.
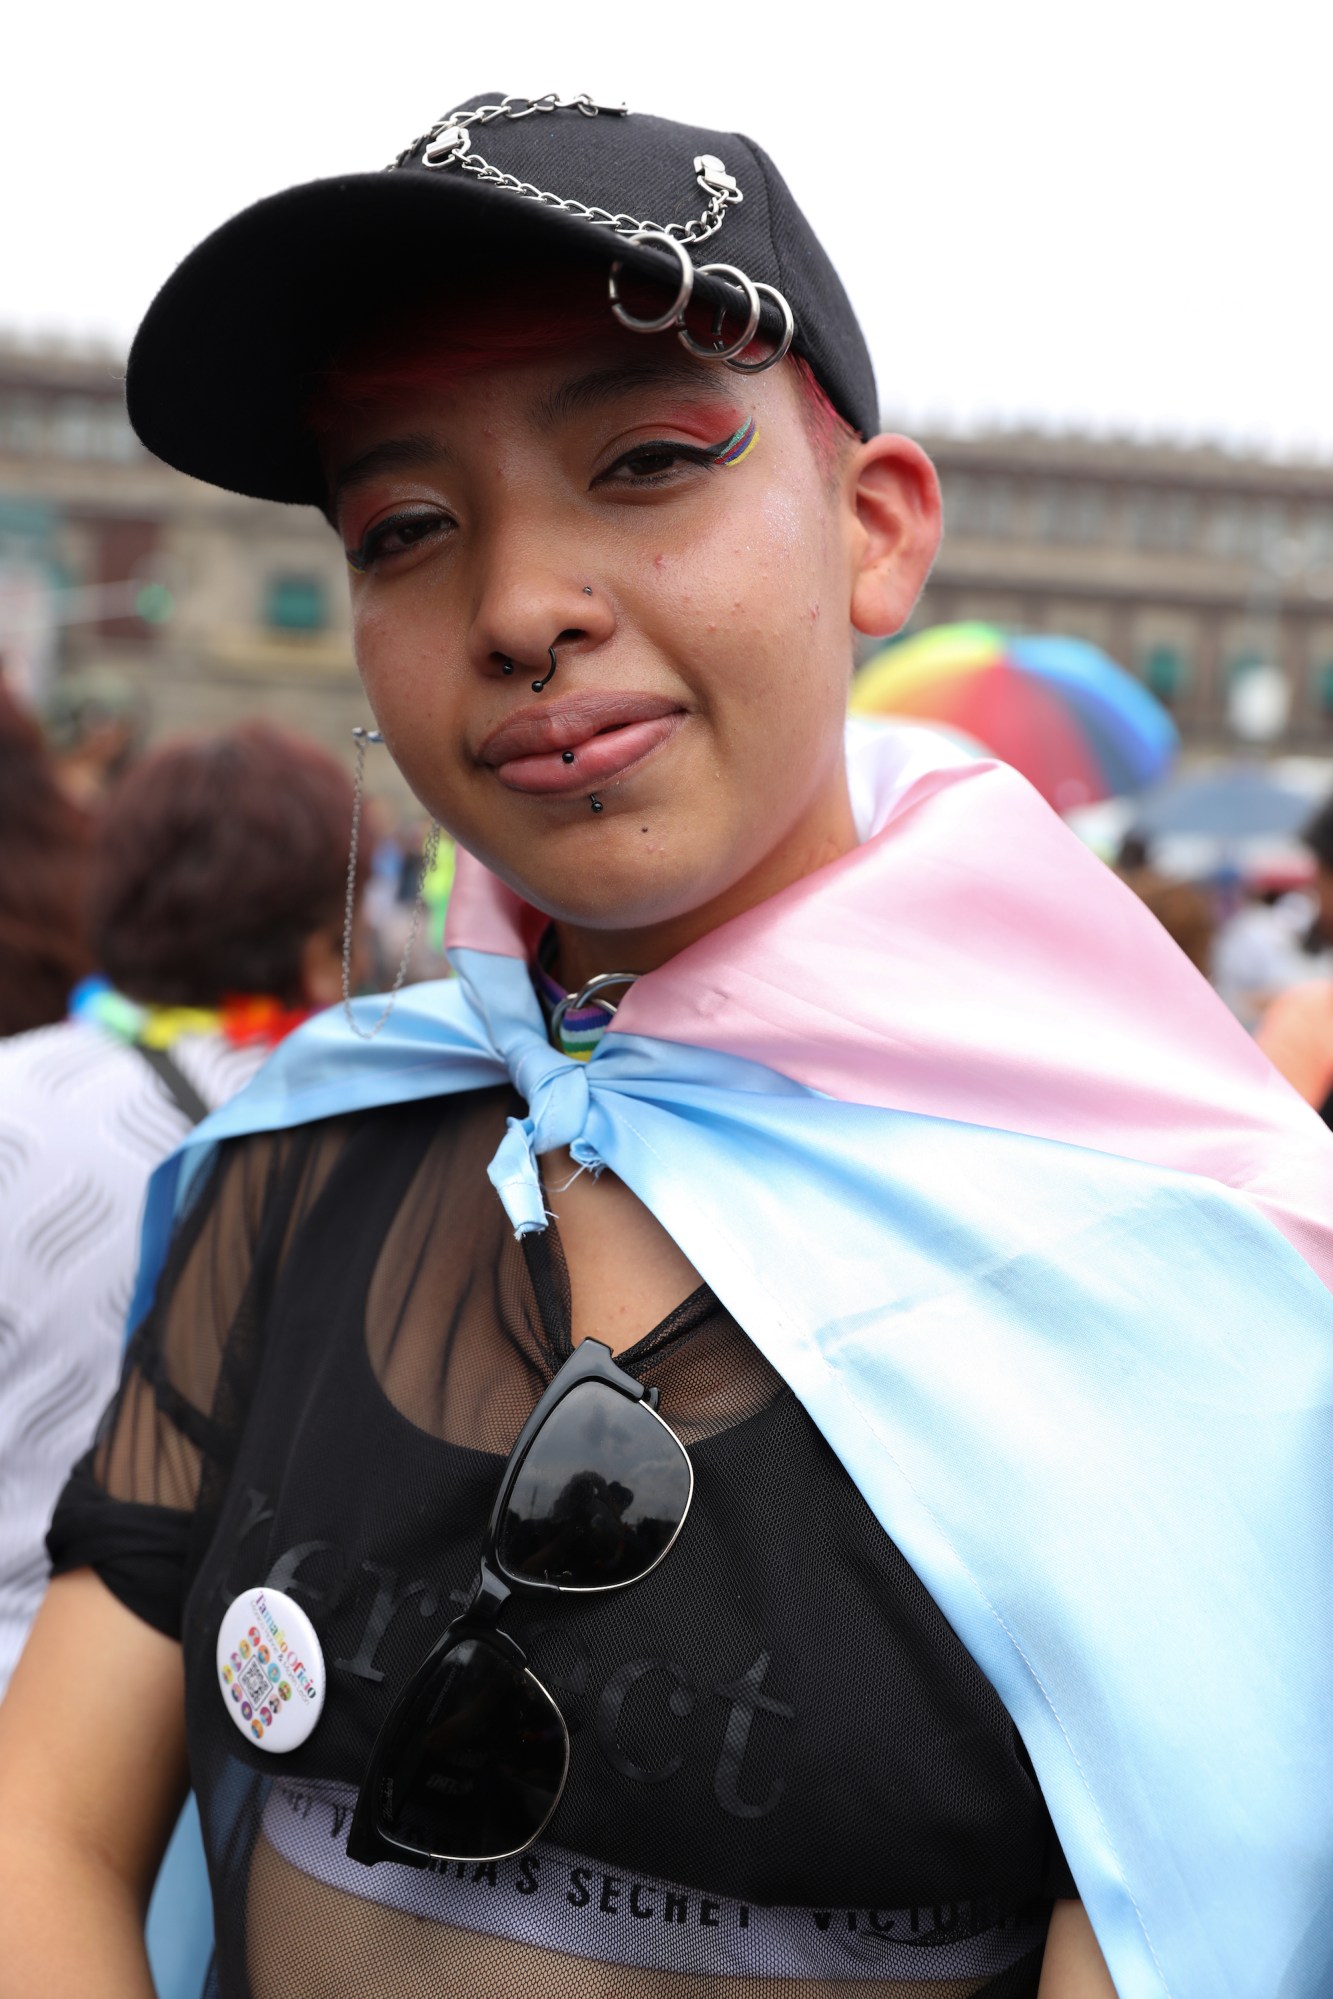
[[739, 445]]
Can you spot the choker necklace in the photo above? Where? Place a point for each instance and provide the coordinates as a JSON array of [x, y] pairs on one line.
[[576, 1022]]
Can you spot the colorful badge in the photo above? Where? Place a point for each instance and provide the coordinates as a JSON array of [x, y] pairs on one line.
[[270, 1669]]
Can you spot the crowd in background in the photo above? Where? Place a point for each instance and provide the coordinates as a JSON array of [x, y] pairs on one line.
[[166, 917]]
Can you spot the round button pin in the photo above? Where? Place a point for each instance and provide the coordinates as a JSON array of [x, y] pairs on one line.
[[270, 1669]]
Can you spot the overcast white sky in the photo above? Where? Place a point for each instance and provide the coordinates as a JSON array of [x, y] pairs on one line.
[[1110, 214]]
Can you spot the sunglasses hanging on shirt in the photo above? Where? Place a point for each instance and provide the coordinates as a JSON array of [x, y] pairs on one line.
[[472, 1759]]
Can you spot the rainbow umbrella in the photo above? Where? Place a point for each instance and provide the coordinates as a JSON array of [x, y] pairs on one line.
[[1058, 709]]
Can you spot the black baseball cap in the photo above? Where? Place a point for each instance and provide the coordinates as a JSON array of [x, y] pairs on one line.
[[222, 368]]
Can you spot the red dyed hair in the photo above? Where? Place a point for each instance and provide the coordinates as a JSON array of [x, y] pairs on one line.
[[44, 948], [217, 860]]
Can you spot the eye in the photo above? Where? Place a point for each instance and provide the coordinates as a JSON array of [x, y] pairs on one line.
[[653, 464], [396, 536]]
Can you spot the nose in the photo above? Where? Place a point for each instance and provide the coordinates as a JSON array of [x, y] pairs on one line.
[[536, 595]]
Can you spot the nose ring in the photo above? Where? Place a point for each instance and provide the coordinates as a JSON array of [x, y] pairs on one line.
[[538, 685]]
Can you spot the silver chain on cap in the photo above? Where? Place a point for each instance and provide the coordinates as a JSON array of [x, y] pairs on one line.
[[448, 143]]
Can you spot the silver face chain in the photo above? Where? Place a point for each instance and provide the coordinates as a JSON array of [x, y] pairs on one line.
[[429, 856], [448, 143]]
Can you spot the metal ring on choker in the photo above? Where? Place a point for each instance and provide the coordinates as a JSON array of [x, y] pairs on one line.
[[590, 995]]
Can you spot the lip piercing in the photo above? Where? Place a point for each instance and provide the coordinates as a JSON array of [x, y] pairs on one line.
[[595, 803], [538, 685], [568, 756]]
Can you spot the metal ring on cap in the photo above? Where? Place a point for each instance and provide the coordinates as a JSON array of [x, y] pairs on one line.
[[780, 351], [678, 304], [747, 285]]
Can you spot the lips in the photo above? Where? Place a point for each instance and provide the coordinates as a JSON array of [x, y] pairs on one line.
[[607, 733]]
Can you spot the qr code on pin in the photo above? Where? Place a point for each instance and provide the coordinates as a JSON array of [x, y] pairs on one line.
[[254, 1680]]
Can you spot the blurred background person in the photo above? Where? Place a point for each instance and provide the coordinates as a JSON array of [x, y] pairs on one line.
[[44, 842], [218, 891], [1183, 909], [1281, 937], [1296, 1034], [1296, 1029], [95, 723]]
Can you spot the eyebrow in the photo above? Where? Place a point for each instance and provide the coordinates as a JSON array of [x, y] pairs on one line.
[[393, 454], [605, 385]]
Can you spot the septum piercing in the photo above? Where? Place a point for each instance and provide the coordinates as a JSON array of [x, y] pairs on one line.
[[538, 685]]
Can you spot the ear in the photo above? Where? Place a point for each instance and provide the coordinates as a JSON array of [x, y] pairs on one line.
[[321, 969], [894, 522]]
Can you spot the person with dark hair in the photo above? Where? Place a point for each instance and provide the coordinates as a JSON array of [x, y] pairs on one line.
[[769, 1437], [44, 845], [221, 874], [218, 889]]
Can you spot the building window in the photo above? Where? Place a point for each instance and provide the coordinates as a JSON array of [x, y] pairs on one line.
[[1233, 530], [1317, 548], [979, 505], [1163, 521], [295, 603], [22, 424], [1066, 511], [1165, 671]]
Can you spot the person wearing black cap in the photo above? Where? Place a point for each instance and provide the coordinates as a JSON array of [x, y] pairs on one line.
[[708, 1567]]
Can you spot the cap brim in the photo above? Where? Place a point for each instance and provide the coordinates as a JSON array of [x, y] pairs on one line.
[[223, 366]]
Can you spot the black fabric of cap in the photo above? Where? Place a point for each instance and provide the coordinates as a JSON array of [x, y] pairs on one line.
[[222, 366]]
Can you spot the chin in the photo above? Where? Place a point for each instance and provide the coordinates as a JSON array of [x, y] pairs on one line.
[[597, 887]]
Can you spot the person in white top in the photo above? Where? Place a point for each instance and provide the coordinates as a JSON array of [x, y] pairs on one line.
[[217, 891]]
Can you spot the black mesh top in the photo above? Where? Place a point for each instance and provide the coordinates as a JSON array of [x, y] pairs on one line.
[[788, 1775]]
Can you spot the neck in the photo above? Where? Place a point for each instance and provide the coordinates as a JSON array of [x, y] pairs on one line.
[[813, 843]]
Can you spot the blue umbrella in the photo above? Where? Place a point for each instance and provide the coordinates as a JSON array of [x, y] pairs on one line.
[[1241, 802]]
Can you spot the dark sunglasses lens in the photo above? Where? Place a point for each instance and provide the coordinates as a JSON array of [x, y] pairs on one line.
[[600, 1496], [478, 1761]]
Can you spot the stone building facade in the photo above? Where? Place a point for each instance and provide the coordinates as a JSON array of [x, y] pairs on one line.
[[113, 567], [1188, 564]]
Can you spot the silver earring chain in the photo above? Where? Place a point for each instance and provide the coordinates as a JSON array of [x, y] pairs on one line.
[[429, 856], [448, 143]]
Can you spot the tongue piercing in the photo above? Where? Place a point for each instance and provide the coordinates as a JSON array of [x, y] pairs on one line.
[[538, 685], [568, 756]]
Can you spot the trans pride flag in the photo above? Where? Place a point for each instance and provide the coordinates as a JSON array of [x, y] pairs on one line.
[[1042, 1242]]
